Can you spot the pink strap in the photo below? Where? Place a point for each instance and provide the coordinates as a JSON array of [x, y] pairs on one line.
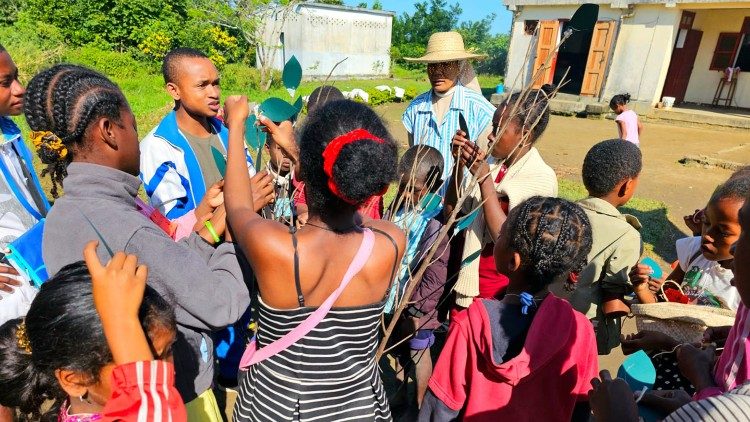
[[253, 356]]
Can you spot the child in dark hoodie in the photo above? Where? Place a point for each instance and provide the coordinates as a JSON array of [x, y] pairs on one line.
[[528, 356]]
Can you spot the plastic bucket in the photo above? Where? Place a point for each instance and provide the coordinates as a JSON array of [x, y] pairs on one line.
[[667, 102]]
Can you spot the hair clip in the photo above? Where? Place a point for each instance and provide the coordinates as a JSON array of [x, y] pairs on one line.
[[22, 338], [51, 141]]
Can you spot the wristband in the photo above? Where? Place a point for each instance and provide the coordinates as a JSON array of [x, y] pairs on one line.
[[210, 228]]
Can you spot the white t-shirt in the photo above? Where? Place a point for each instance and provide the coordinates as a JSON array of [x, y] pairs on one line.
[[715, 279], [630, 120]]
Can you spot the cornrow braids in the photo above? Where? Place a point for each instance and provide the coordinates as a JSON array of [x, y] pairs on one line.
[[62, 102], [531, 112], [552, 236]]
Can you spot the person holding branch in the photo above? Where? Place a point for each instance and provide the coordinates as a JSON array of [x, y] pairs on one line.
[[322, 288]]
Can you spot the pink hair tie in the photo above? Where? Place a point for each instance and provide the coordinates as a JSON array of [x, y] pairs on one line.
[[331, 154]]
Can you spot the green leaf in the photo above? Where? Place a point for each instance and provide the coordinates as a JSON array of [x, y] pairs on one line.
[[430, 203], [466, 221], [292, 75], [255, 138], [220, 160], [277, 109], [298, 104], [469, 259], [99, 235]]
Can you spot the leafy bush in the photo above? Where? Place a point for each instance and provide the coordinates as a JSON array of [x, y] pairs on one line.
[[237, 77], [410, 50], [378, 97], [33, 45], [111, 63]]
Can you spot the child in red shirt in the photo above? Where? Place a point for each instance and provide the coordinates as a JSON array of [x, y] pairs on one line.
[[529, 356]]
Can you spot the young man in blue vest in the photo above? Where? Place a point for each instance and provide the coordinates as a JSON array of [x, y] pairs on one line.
[[179, 165]]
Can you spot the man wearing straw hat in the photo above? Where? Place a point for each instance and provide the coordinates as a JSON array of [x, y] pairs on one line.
[[432, 118]]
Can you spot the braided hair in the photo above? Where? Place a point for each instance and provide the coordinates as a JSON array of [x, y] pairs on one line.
[[61, 103], [532, 111], [552, 236]]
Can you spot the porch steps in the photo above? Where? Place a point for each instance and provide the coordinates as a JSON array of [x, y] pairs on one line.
[[572, 105]]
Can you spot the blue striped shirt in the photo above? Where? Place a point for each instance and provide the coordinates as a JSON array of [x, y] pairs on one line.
[[419, 120]]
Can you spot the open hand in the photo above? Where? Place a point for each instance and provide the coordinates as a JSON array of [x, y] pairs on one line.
[[716, 335], [641, 273], [263, 192], [213, 198], [117, 288], [697, 365], [7, 281], [611, 399], [236, 110], [694, 222], [470, 155], [646, 340], [283, 135]]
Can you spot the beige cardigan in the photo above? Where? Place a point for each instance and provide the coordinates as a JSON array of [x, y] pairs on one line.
[[528, 177]]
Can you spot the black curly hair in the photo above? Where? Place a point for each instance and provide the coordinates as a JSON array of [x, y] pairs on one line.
[[552, 236], [618, 100], [362, 169], [66, 100], [323, 95], [737, 188], [171, 65], [608, 163], [64, 332], [532, 111]]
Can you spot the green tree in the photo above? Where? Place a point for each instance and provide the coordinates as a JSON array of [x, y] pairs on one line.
[[258, 22], [362, 5], [428, 18], [336, 2], [108, 23], [377, 5]]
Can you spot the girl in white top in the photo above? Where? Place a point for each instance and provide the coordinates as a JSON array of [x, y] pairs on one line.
[[705, 261], [628, 125]]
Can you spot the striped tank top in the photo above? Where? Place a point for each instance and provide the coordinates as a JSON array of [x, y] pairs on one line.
[[328, 375]]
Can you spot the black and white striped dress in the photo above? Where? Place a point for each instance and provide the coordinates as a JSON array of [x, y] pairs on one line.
[[329, 375]]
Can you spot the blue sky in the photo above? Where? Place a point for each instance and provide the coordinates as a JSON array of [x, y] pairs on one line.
[[473, 10]]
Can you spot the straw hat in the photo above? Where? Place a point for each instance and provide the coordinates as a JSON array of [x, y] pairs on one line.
[[445, 47]]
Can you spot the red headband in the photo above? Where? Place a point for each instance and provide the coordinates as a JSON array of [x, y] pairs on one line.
[[331, 154]]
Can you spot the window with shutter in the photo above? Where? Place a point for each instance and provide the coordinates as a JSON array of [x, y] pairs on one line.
[[726, 50]]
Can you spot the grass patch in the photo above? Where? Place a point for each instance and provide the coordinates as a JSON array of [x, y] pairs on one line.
[[658, 233]]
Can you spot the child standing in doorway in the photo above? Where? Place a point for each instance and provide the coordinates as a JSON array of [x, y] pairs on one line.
[[628, 125]]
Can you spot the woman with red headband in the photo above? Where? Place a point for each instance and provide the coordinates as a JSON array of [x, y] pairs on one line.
[[322, 288]]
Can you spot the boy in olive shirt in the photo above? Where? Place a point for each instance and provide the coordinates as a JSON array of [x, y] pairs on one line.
[[610, 173]]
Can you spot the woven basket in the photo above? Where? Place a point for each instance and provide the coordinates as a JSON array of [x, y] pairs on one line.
[[683, 322]]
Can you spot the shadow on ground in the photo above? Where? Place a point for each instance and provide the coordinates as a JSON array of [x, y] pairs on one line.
[[661, 233]]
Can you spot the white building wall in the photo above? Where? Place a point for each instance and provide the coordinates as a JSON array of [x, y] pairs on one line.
[[703, 81], [642, 50], [320, 37], [642, 54]]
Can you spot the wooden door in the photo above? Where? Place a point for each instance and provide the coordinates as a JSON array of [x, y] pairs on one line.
[[681, 64], [598, 58], [545, 47]]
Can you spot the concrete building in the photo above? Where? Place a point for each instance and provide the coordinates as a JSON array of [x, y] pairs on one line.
[[648, 48], [321, 35]]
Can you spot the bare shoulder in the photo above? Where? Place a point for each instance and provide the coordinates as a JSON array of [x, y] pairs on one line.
[[391, 230], [264, 237]]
